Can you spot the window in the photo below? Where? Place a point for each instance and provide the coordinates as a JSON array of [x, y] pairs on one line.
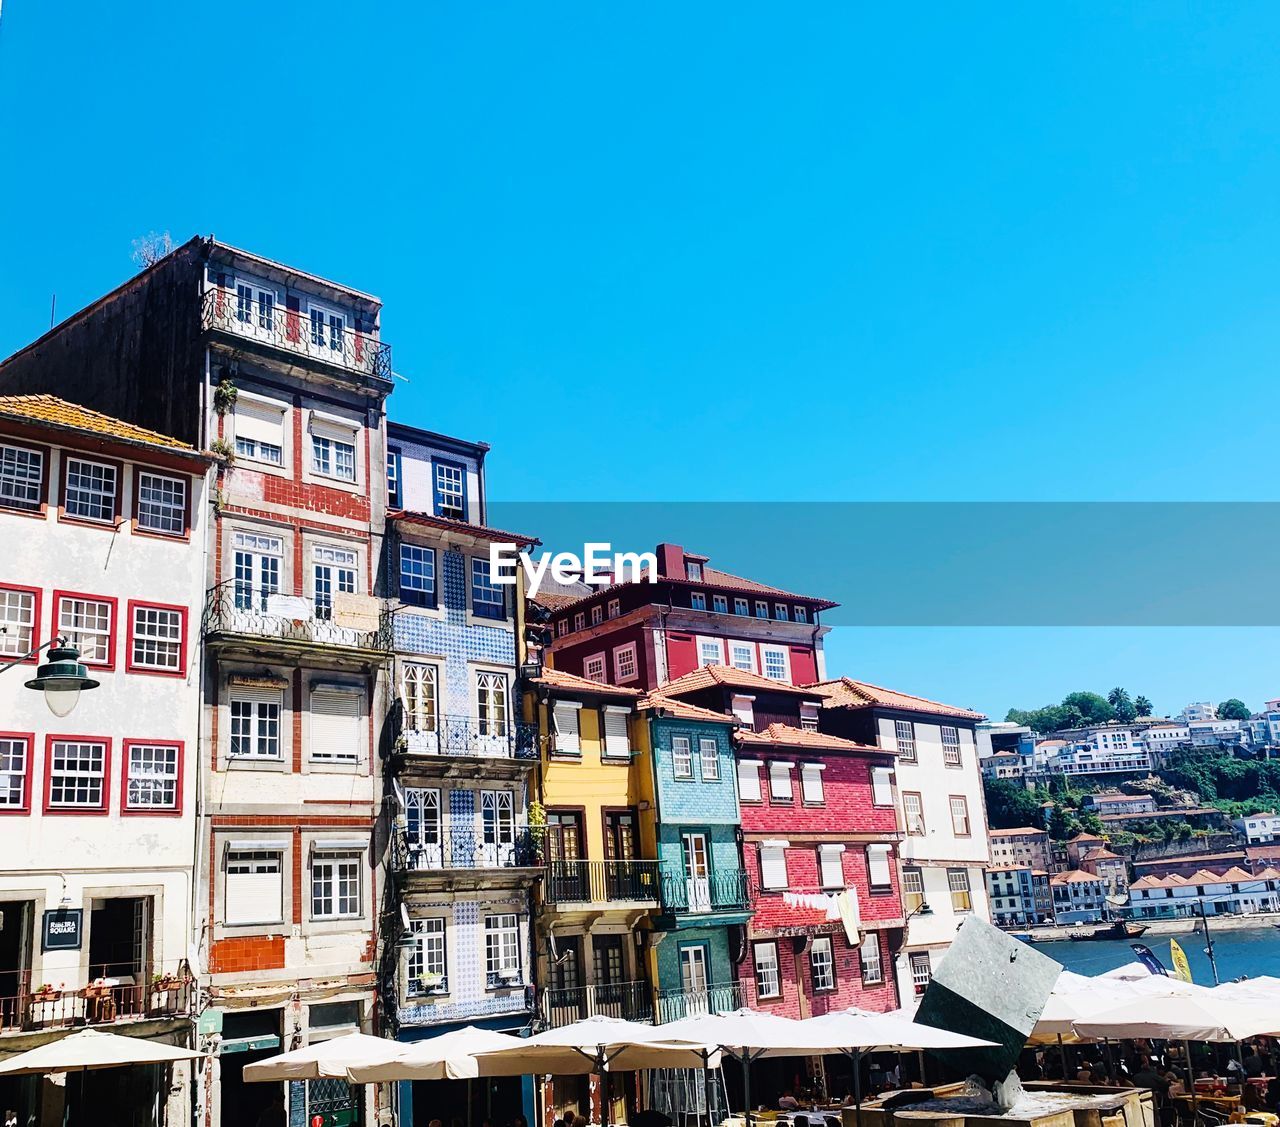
[[921, 971], [255, 886], [426, 969], [450, 486], [333, 457], [762, 609], [698, 600], [958, 883], [18, 612], [153, 774], [617, 739], [740, 606], [593, 668], [21, 478], [418, 695], [395, 474], [709, 759], [811, 784], [768, 980], [334, 572], [879, 870], [579, 621], [773, 864], [327, 328], [913, 813], [417, 575], [959, 815], [780, 782], [801, 615], [693, 571], [822, 964], [162, 503], [912, 890], [905, 736], [247, 298], [775, 663], [491, 704], [257, 562], [742, 656], [15, 767], [780, 612], [720, 604], [950, 746], [77, 778], [157, 638], [335, 886], [255, 722], [487, 597], [336, 731], [597, 615], [502, 949], [89, 624], [624, 662], [831, 865], [564, 721], [748, 781], [869, 958], [615, 608], [681, 757], [562, 628], [91, 490], [809, 717], [709, 652], [259, 431]]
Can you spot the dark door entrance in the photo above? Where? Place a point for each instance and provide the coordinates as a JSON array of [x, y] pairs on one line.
[[15, 959], [567, 871], [621, 846]]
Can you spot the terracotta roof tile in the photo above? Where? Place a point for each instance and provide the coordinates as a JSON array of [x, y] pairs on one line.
[[1016, 830], [447, 524], [1101, 854], [784, 735], [726, 676], [52, 411], [844, 692], [682, 711], [571, 682], [1075, 876]]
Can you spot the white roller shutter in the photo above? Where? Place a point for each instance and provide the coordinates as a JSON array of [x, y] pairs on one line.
[[256, 896], [335, 725], [616, 739], [565, 718], [748, 780], [811, 782], [773, 865], [881, 786], [831, 865], [878, 871], [259, 422]]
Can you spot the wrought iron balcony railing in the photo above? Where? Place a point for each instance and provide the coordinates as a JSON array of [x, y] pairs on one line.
[[321, 338], [461, 850], [719, 891], [601, 882], [725, 998], [236, 608], [469, 737], [631, 1001], [114, 994]]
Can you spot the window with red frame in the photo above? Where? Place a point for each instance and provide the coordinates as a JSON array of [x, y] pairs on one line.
[[19, 617], [89, 623], [77, 775], [157, 638], [152, 777], [15, 773], [162, 503]]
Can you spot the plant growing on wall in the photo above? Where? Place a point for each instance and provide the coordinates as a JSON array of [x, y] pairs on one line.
[[537, 827], [224, 396], [222, 449]]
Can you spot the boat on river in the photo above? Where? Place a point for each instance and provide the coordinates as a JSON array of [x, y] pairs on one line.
[[1119, 929]]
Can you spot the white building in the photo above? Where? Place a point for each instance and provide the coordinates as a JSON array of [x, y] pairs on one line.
[[104, 525], [1200, 710], [1234, 892], [1161, 739], [1259, 829], [1078, 897], [1217, 733], [1085, 759]]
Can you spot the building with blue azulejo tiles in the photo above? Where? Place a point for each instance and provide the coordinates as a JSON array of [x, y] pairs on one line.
[[463, 865]]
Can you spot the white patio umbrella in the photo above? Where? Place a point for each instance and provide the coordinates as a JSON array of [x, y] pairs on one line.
[[1181, 1017], [325, 1059], [450, 1056], [92, 1049]]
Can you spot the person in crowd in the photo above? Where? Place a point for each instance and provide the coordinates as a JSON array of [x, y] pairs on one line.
[[788, 1102], [1177, 1087], [1254, 1065]]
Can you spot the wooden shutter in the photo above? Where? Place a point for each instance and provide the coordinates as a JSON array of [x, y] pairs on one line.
[[811, 782], [616, 739], [773, 866], [748, 781], [878, 866], [881, 786], [335, 724]]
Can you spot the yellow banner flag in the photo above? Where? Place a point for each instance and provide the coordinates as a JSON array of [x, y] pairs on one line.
[[1178, 956]]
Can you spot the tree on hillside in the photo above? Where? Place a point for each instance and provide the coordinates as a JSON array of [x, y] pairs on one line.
[[1091, 708], [1010, 804], [1123, 705], [1144, 706], [1233, 709]]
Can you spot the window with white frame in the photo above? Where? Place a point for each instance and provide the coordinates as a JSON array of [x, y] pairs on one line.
[[693, 571], [336, 729], [831, 865], [151, 778], [921, 971], [17, 621], [426, 969], [333, 452], [562, 628], [491, 703], [809, 717], [879, 866], [869, 958], [709, 758], [959, 815], [259, 431], [748, 780], [593, 668], [780, 612], [162, 503], [780, 782], [564, 721], [615, 608], [624, 662], [958, 885], [21, 478], [488, 599], [88, 624], [255, 722], [423, 827], [395, 473], [502, 949], [822, 964], [709, 652], [91, 491], [742, 655], [449, 480], [417, 575], [762, 609], [419, 685], [335, 886], [773, 864], [333, 573], [743, 707], [77, 775], [255, 307], [157, 638], [811, 792], [905, 737], [579, 621], [768, 979], [913, 812], [740, 606], [720, 604], [597, 615], [15, 763], [257, 560], [950, 746], [682, 757], [327, 328], [912, 890], [776, 665], [254, 889], [617, 739], [801, 615], [881, 786], [698, 600]]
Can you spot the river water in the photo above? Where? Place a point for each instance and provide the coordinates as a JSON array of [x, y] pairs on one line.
[[1253, 953]]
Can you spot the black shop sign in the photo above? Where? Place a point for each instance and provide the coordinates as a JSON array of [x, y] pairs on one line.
[[62, 930]]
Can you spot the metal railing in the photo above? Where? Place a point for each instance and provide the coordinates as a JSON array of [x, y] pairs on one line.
[[601, 882], [294, 331], [233, 607], [722, 999], [464, 850], [114, 994], [631, 1001], [469, 737], [721, 890]]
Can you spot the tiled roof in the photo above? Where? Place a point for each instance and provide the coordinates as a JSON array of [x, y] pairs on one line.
[[784, 735], [1101, 855], [1075, 876], [1015, 830], [1082, 836], [844, 692], [571, 682], [680, 710], [49, 410], [480, 531], [726, 676], [553, 601], [1105, 798]]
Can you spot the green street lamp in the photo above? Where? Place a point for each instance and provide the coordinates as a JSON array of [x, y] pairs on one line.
[[61, 678]]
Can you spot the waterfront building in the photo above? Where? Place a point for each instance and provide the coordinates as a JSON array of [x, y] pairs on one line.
[[1020, 896], [1230, 892], [1108, 867], [1078, 897], [1022, 845]]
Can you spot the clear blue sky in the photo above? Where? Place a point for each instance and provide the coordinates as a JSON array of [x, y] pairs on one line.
[[730, 252]]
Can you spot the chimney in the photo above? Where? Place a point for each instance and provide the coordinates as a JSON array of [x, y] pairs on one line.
[[670, 561]]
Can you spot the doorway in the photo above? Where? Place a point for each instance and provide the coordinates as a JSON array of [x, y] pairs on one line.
[[16, 918], [120, 951]]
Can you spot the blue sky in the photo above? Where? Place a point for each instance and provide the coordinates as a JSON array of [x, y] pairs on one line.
[[711, 253]]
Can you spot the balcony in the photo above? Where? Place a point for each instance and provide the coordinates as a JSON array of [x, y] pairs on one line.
[[676, 1004], [295, 333], [725, 890], [467, 745], [601, 882], [112, 998], [516, 999], [463, 859], [236, 611], [631, 1001]]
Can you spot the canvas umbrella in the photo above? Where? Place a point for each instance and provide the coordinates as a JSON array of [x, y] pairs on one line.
[[450, 1056], [93, 1049], [325, 1060]]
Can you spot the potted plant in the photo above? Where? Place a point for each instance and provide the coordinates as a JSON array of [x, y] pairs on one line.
[[430, 982], [46, 992]]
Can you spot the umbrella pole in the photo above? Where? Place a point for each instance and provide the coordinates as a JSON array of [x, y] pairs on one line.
[[1062, 1057], [1191, 1080], [746, 1087], [857, 1087]]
